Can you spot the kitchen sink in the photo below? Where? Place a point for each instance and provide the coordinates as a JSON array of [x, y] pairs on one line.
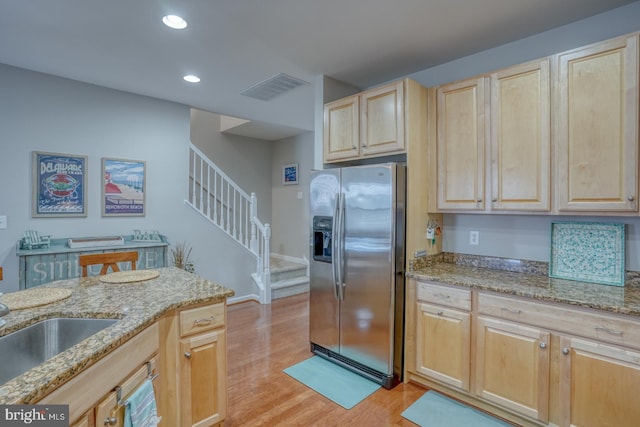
[[27, 348]]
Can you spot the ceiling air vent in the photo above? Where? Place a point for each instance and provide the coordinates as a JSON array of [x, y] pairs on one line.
[[273, 86]]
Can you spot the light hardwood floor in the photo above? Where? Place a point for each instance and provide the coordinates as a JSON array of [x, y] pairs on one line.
[[265, 339]]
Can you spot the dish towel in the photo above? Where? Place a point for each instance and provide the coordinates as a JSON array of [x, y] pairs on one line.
[[140, 409]]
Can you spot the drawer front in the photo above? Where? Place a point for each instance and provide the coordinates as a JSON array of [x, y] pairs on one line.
[[600, 326], [444, 295], [201, 319]]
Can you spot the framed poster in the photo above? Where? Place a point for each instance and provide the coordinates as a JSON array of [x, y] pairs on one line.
[[290, 174], [123, 187], [59, 185]]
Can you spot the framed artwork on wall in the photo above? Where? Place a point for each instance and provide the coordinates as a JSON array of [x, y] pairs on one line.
[[123, 187], [290, 174], [59, 185]]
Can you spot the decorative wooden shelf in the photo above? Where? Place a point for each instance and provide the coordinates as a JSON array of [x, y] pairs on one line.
[[59, 261]]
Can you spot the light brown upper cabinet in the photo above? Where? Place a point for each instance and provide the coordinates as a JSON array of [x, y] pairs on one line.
[[382, 119], [504, 118], [365, 125], [597, 127], [521, 137], [342, 129], [497, 133], [460, 127]]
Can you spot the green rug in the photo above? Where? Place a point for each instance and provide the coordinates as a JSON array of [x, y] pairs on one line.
[[436, 410], [334, 382]]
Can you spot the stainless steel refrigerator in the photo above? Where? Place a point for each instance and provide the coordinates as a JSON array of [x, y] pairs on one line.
[[356, 310]]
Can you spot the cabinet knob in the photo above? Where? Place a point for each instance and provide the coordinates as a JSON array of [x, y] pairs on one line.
[[479, 201], [631, 198], [110, 421], [494, 200], [543, 345], [440, 313], [187, 355], [565, 351]]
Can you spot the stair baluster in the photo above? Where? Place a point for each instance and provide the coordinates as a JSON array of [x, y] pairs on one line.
[[237, 216]]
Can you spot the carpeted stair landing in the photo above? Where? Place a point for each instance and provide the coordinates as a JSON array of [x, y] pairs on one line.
[[287, 277]]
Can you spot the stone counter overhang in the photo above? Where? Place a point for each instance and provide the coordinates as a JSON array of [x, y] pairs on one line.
[[616, 299], [137, 305]]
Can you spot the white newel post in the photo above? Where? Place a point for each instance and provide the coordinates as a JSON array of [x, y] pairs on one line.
[[266, 259], [253, 243]]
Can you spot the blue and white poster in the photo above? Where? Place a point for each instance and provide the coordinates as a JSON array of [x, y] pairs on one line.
[[59, 185], [290, 174], [123, 191]]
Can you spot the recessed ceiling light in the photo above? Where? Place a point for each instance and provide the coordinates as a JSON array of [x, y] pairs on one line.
[[191, 78], [175, 22]]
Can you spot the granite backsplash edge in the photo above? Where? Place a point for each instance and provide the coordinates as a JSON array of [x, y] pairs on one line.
[[496, 263]]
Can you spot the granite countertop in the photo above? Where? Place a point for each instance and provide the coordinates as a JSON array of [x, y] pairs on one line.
[[137, 305], [617, 299]]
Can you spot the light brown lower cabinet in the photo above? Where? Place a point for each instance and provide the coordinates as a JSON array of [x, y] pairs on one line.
[[202, 379], [600, 384], [448, 361], [87, 420], [110, 411], [92, 396], [195, 362], [533, 363], [186, 349], [512, 366]]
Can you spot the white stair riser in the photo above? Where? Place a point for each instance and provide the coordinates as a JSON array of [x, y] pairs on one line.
[[288, 291], [288, 274]]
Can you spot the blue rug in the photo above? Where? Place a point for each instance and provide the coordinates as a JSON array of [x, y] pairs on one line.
[[334, 382], [436, 410]]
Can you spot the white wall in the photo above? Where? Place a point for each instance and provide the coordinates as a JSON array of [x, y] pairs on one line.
[[46, 113], [597, 28], [290, 223], [247, 161], [524, 236]]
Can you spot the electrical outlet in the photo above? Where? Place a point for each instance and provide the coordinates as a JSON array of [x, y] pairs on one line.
[[3, 222], [474, 238]]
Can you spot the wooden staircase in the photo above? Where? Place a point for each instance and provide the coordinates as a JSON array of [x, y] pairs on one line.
[[288, 277]]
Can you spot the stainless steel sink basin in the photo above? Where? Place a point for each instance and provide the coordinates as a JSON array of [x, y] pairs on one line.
[[27, 348]]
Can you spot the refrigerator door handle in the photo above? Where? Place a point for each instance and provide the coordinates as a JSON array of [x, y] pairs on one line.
[[341, 278], [334, 246]]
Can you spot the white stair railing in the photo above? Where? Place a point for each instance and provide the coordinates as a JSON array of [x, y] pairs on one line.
[[222, 202]]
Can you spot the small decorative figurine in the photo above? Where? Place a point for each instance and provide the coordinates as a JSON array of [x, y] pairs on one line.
[[31, 239]]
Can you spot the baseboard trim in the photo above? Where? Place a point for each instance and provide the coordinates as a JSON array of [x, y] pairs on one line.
[[243, 298]]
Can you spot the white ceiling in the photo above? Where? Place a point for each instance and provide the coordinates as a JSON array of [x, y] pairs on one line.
[[234, 44]]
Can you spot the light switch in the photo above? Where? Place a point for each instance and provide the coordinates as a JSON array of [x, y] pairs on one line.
[[3, 222], [299, 195]]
